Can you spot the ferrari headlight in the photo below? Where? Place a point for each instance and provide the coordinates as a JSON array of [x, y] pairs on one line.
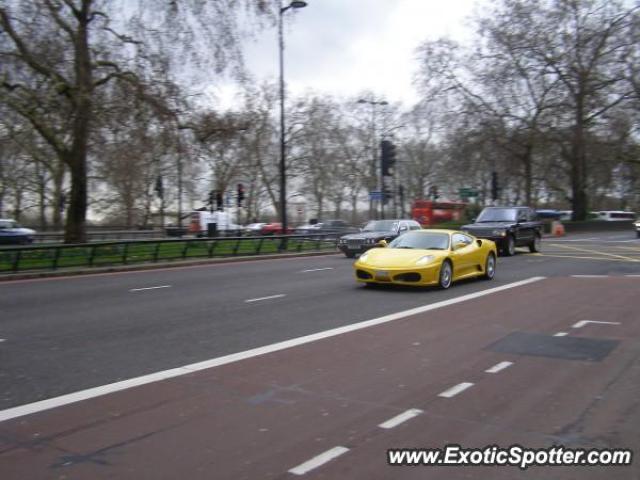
[[363, 257], [498, 233], [426, 259]]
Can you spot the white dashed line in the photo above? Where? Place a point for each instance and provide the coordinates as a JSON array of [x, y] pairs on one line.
[[590, 276], [316, 269], [498, 367], [3, 340], [582, 323], [265, 298], [633, 276], [94, 392], [453, 391], [561, 334], [149, 288], [403, 417], [318, 461]]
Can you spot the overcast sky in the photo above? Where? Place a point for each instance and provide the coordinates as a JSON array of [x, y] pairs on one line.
[[344, 47]]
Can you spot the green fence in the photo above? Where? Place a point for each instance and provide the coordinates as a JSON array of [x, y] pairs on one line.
[[34, 258]]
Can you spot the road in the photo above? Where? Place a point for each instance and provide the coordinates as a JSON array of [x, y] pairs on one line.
[[266, 413]]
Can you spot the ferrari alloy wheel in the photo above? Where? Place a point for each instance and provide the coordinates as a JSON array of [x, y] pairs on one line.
[[534, 247], [510, 248], [490, 267], [446, 274]]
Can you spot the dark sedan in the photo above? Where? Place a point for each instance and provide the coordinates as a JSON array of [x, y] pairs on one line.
[[372, 233], [12, 232]]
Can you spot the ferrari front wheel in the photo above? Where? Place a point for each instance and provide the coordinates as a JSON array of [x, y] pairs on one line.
[[490, 267], [446, 275]]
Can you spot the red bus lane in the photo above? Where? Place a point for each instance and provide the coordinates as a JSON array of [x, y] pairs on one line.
[[486, 371]]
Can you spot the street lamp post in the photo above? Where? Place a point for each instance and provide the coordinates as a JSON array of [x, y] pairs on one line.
[[375, 171], [283, 153]]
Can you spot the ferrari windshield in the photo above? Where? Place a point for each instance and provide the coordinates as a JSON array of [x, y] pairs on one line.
[[422, 240], [381, 226], [498, 215]]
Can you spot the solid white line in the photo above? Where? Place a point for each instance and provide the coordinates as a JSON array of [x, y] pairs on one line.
[[319, 460], [632, 276], [149, 288], [453, 391], [2, 340], [316, 269], [500, 366], [561, 334], [236, 357], [265, 298], [403, 417], [582, 323]]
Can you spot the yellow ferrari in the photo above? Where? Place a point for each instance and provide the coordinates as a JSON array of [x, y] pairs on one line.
[[428, 257]]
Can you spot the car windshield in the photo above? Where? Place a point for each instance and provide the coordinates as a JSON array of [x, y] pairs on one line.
[[381, 226], [422, 240], [498, 215], [8, 224]]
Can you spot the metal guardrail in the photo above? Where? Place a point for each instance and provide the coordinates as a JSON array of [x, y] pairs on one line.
[[53, 257]]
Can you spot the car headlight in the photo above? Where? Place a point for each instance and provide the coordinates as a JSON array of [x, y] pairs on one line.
[[426, 259], [498, 233], [363, 257]]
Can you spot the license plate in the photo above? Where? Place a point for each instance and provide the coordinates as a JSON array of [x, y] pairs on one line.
[[382, 276]]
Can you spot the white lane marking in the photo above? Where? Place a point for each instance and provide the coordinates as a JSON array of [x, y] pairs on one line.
[[55, 402], [590, 276], [582, 323], [316, 269], [453, 391], [265, 298], [403, 417], [3, 340], [498, 367], [561, 334], [149, 288], [633, 276], [318, 460]]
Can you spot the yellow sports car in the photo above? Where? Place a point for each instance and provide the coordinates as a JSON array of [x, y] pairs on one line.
[[428, 257]]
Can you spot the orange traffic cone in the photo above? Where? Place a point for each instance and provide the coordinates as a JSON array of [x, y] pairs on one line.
[[557, 229]]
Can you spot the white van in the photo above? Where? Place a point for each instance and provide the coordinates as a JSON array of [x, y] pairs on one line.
[[616, 216]]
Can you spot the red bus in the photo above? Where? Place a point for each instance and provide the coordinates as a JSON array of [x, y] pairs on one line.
[[428, 213]]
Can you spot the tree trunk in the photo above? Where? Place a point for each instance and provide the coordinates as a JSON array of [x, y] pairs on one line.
[[75, 230], [578, 165]]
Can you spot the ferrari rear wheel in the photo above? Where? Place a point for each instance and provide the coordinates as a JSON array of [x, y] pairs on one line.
[[446, 275], [490, 267]]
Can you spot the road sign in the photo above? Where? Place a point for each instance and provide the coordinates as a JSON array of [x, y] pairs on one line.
[[375, 195]]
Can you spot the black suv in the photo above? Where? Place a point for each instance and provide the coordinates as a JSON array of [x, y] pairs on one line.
[[372, 233], [508, 227]]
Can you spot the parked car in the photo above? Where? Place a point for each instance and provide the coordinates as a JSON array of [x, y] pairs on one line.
[[11, 232], [428, 257], [508, 227], [327, 227], [274, 228], [616, 216], [253, 228], [372, 233]]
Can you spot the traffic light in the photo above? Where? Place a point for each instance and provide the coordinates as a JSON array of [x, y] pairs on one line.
[[212, 196], [433, 192], [495, 188], [219, 201], [240, 194], [388, 157]]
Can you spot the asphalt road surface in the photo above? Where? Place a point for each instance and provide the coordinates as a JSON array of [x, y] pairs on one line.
[[285, 368]]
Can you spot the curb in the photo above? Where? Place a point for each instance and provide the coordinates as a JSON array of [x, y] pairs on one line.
[[8, 277]]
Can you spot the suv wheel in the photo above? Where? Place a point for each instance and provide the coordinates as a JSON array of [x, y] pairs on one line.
[[510, 247], [535, 246]]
